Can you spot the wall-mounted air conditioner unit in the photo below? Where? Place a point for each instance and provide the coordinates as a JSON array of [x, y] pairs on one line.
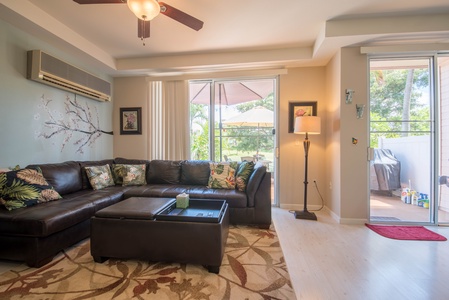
[[49, 70]]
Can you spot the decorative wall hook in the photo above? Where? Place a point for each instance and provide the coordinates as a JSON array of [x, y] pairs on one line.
[[349, 94], [359, 110]]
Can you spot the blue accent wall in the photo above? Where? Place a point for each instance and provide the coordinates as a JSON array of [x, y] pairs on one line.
[[42, 124]]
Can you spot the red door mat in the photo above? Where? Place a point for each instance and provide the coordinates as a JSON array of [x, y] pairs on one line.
[[416, 233]]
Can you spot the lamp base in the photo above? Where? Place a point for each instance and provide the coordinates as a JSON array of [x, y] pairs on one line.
[[305, 215]]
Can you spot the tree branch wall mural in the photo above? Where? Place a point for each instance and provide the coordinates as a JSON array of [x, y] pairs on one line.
[[78, 123]]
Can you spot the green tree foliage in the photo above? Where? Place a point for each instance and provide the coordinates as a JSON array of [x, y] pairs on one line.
[[199, 131], [234, 138], [393, 101]]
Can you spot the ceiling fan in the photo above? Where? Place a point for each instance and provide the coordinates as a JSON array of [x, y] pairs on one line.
[[146, 10]]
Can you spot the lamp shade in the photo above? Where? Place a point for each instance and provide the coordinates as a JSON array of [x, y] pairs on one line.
[[308, 124], [144, 9]]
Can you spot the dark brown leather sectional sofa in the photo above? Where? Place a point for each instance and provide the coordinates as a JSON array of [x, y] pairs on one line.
[[36, 234]]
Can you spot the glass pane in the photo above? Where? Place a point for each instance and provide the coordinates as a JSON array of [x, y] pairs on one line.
[[199, 120], [253, 142], [240, 122], [443, 88], [401, 135]]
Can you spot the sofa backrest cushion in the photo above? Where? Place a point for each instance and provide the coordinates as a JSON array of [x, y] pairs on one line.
[[195, 172], [64, 177], [83, 164], [164, 171], [130, 161]]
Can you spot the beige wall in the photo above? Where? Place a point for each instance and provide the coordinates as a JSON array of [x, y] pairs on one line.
[[346, 163], [354, 174], [347, 200], [339, 166], [332, 129], [130, 92], [301, 84]]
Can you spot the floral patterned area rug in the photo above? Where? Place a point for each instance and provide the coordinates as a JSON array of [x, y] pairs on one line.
[[253, 267]]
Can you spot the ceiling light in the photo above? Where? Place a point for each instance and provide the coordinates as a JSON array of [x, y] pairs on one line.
[[144, 9]]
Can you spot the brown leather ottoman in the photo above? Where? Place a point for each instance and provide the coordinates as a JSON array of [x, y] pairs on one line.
[[129, 230]]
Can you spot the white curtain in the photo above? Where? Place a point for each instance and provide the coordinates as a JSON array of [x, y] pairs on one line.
[[168, 120]]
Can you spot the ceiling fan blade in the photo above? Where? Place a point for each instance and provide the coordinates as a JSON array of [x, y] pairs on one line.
[[99, 1], [180, 16], [143, 29]]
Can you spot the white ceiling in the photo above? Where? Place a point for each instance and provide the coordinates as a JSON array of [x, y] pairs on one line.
[[250, 34]]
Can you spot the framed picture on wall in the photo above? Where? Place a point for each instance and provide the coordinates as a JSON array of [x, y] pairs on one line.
[[131, 120], [300, 109]]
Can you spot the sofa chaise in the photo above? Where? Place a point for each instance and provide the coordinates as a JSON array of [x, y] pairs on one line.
[[35, 234]]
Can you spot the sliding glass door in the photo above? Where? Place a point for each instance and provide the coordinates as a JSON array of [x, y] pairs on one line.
[[409, 139], [234, 120], [443, 166], [402, 139]]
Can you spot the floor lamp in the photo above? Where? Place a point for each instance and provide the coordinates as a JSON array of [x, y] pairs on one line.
[[306, 125]]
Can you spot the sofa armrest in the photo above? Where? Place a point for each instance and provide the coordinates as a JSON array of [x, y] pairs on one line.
[[254, 182]]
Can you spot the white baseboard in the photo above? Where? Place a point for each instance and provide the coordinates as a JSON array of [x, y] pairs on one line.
[[347, 221], [300, 207]]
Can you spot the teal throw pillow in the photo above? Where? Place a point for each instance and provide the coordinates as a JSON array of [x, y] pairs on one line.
[[244, 171]]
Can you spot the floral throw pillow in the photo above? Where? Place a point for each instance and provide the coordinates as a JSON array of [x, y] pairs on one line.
[[99, 176], [244, 171], [222, 176], [25, 187], [133, 174]]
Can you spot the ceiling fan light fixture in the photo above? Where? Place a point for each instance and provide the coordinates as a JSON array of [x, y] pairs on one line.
[[144, 9]]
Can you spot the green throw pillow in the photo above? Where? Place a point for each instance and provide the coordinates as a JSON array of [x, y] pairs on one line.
[[118, 172], [134, 174], [222, 176], [99, 176], [244, 171], [234, 164], [25, 187]]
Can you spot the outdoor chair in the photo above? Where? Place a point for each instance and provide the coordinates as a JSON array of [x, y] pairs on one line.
[[247, 158]]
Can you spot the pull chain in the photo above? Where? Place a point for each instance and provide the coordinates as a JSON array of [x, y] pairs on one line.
[[143, 30]]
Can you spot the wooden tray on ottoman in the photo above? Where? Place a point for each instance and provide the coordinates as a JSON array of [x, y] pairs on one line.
[[127, 231]]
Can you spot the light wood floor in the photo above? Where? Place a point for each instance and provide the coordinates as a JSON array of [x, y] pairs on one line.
[[327, 260]]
